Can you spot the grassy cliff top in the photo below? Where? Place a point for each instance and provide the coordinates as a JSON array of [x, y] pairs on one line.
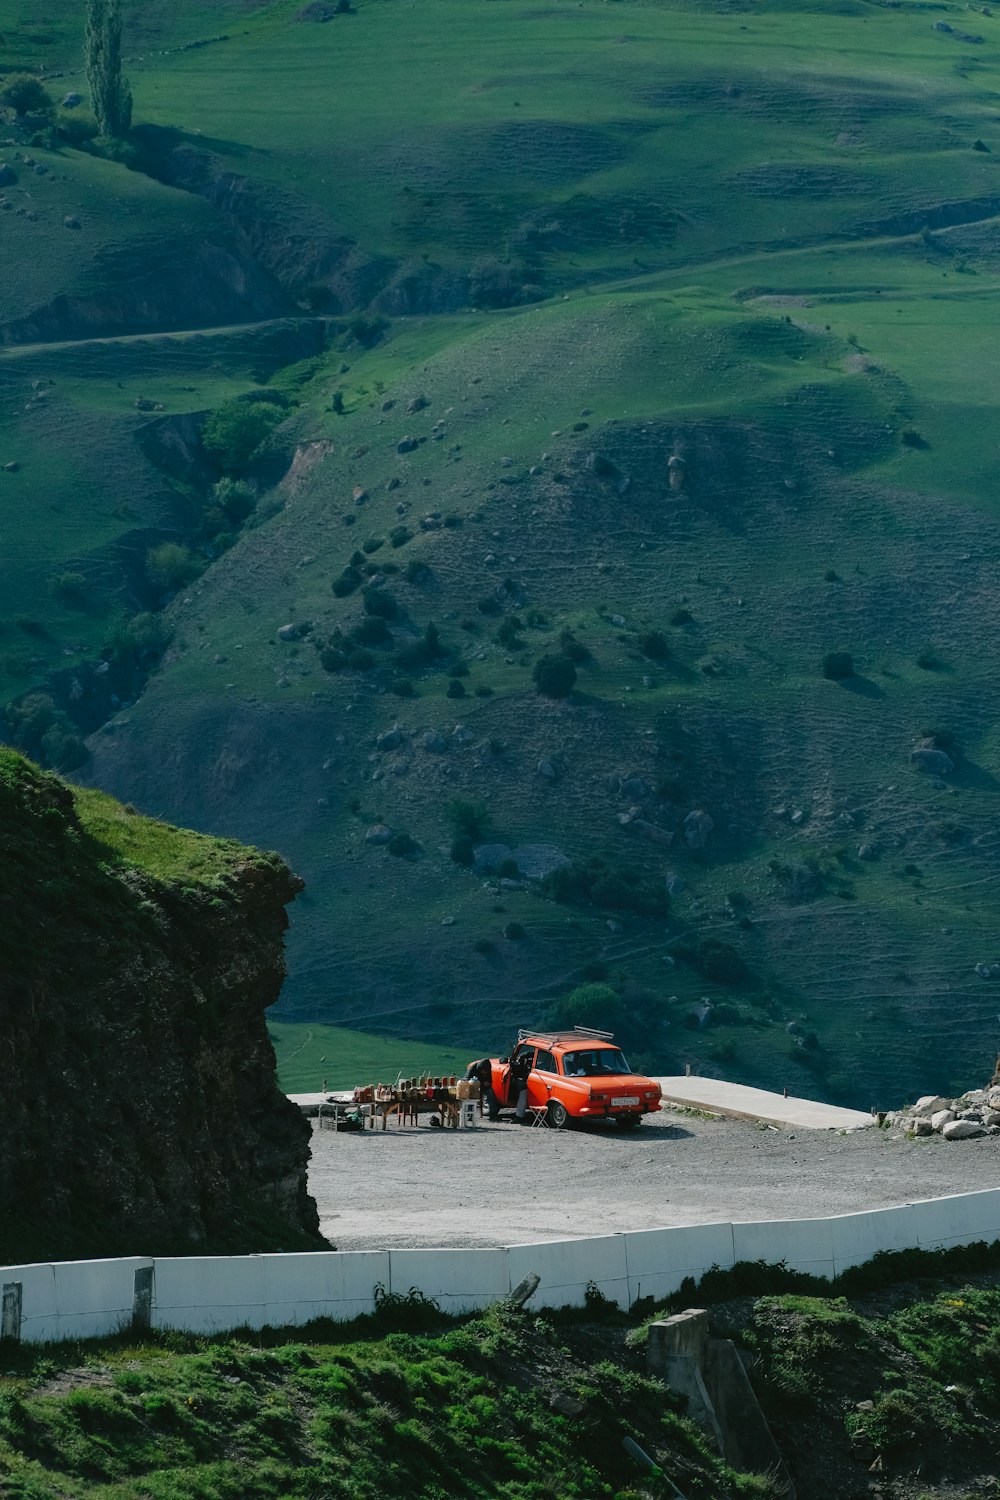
[[35, 805]]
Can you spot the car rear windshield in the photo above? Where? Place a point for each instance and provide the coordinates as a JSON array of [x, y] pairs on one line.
[[594, 1062]]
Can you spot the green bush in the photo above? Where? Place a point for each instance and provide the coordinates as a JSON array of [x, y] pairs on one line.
[[372, 631], [456, 688], [380, 603], [402, 845], [234, 434], [617, 887], [71, 587], [402, 687], [76, 130], [236, 498], [681, 617], [422, 653], [469, 816], [654, 644], [348, 582], [462, 850], [171, 565], [25, 95], [554, 676]]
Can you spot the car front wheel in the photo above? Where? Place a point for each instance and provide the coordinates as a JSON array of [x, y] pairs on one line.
[[558, 1115]]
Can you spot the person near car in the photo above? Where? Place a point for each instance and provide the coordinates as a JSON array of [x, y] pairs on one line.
[[482, 1072], [520, 1067]]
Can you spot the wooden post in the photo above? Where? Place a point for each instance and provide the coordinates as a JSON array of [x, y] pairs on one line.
[[10, 1319], [142, 1297]]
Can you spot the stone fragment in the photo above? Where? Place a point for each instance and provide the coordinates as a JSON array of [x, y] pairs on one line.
[[941, 1118], [378, 834]]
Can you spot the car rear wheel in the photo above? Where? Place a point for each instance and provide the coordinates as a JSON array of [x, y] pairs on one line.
[[558, 1115], [628, 1122]]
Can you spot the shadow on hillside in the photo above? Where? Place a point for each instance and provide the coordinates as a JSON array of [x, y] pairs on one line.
[[863, 687], [971, 775]]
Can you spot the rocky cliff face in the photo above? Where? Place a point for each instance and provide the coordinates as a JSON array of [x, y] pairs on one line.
[[139, 1110]]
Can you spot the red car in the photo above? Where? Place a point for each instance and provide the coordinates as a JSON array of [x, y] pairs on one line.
[[573, 1075]]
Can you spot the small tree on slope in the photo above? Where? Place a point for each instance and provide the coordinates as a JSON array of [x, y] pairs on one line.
[[110, 95]]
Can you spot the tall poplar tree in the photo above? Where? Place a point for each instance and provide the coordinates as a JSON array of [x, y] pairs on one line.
[[110, 95]]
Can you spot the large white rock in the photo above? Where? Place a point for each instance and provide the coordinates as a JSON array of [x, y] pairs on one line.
[[961, 1130], [929, 1105], [918, 1126], [942, 1117]]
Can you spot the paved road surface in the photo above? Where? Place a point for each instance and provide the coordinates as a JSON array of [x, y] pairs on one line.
[[505, 1184]]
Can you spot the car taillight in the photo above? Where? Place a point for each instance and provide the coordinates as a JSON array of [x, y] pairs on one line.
[[652, 1093]]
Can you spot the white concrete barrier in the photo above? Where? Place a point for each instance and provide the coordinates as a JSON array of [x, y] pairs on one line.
[[658, 1260], [803, 1244], [206, 1294], [568, 1267], [959, 1220], [39, 1309], [338, 1284], [213, 1294], [90, 1294], [857, 1237], [458, 1280]]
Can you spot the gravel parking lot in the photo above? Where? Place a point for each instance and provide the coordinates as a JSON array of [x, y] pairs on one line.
[[505, 1184]]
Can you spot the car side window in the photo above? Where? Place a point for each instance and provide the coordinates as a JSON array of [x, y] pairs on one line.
[[545, 1062]]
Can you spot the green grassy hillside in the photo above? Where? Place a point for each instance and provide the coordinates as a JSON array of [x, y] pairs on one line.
[[532, 255]]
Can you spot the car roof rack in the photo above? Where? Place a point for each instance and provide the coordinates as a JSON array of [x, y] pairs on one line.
[[578, 1034]]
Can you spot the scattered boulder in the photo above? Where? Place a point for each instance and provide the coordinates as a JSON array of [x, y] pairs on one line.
[[7, 174], [536, 861], [12, 467], [988, 971], [378, 834], [934, 762], [698, 826], [604, 468], [72, 100], [868, 851], [435, 743], [487, 858], [390, 740], [919, 1127], [961, 1130], [417, 404], [929, 1105], [547, 770], [317, 10], [71, 222], [674, 883], [294, 632], [407, 445], [941, 1118]]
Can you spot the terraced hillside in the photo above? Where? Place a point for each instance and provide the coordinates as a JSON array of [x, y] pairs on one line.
[[649, 337]]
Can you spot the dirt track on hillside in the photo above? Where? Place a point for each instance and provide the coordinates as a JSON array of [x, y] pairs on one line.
[[505, 1184]]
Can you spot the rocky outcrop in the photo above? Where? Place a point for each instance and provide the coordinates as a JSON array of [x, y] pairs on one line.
[[139, 1111]]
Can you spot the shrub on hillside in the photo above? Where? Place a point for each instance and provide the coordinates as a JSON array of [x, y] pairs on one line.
[[597, 1005], [347, 582], [372, 631], [456, 688], [570, 647], [170, 566], [422, 653], [402, 687], [616, 887], [380, 603], [25, 95], [236, 498], [469, 816], [838, 666], [654, 645], [234, 434], [462, 850], [71, 588], [554, 676], [76, 130], [402, 845]]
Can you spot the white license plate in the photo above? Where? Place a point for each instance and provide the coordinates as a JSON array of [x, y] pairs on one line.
[[626, 1099]]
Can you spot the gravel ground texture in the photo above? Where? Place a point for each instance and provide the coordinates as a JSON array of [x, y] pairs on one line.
[[505, 1184]]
